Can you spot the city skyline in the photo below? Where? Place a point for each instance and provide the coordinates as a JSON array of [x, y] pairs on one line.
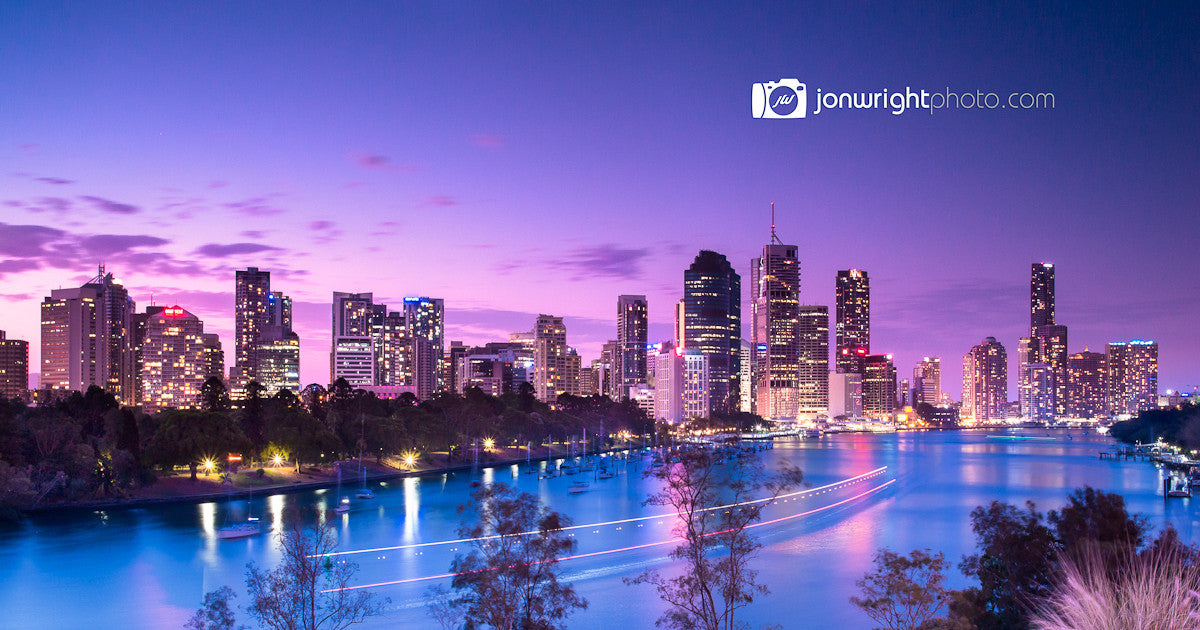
[[337, 174]]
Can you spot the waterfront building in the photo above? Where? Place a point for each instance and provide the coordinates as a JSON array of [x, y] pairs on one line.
[[745, 377], [632, 332], [1050, 346], [214, 358], [14, 367], [775, 328], [927, 381], [1039, 407], [353, 358], [550, 358], [251, 316], [1132, 368], [668, 383], [985, 382], [853, 326], [1026, 355], [87, 338], [879, 386], [813, 381], [642, 395], [277, 361], [424, 320], [697, 384], [1041, 295], [1086, 385], [845, 395], [174, 360], [712, 298]]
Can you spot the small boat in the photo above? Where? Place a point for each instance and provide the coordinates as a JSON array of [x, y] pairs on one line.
[[577, 487], [240, 530], [569, 469], [364, 492], [606, 474], [343, 506]]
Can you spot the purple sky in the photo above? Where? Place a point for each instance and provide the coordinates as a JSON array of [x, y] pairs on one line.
[[517, 159]]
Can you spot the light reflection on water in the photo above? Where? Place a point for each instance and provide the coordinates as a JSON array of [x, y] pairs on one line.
[[149, 567]]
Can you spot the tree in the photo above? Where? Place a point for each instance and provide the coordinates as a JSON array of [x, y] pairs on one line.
[[509, 580], [1095, 517], [903, 593], [308, 591], [213, 396], [716, 551], [186, 437], [1015, 566], [215, 613]]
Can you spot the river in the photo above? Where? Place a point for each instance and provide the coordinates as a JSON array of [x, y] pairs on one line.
[[149, 568]]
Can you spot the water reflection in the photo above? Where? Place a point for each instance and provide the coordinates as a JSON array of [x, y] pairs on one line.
[[412, 508]]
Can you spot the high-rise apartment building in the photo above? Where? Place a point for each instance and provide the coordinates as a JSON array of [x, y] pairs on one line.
[[775, 329], [174, 360], [1026, 355], [425, 322], [712, 298], [1050, 344], [746, 396], [813, 382], [1132, 368], [488, 372], [853, 325], [845, 395], [14, 367], [985, 382], [879, 386], [456, 351], [927, 381], [697, 384], [251, 316], [632, 329], [355, 351], [1087, 387], [214, 358], [668, 383], [87, 338], [1039, 406], [1041, 295], [549, 358]]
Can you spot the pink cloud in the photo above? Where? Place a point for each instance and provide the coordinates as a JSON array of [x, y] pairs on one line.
[[376, 162], [441, 201], [487, 141]]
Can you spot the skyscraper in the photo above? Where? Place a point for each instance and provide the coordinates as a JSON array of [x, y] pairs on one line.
[[632, 326], [1050, 345], [1086, 385], [879, 386], [927, 381], [14, 367], [87, 338], [1132, 369], [775, 328], [746, 396], [174, 360], [712, 298], [425, 322], [853, 327], [549, 358], [354, 348], [813, 381], [251, 315], [1041, 295], [668, 383], [985, 382]]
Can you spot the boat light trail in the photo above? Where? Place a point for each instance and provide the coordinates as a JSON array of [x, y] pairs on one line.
[[869, 474], [623, 549]]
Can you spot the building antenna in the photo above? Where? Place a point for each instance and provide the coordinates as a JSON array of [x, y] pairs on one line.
[[774, 238]]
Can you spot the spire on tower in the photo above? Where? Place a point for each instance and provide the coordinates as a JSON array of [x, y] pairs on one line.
[[774, 238]]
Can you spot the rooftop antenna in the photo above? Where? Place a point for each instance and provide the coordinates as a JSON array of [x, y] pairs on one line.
[[774, 238]]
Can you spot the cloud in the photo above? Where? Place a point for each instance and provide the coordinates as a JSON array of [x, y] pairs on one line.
[[256, 206], [441, 201], [27, 241], [108, 205], [487, 141], [57, 181], [16, 297], [57, 205], [215, 250], [376, 162], [253, 233], [106, 244], [215, 184], [321, 225], [324, 232], [606, 260]]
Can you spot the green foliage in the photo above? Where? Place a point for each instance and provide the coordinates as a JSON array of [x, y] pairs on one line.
[[903, 593], [188, 436], [1176, 426]]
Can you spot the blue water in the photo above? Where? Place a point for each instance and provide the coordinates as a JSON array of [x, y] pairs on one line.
[[149, 568]]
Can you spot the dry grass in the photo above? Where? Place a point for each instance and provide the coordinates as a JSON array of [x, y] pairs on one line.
[[1147, 591]]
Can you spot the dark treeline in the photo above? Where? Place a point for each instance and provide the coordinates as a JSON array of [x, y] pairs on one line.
[[1177, 425], [87, 446]]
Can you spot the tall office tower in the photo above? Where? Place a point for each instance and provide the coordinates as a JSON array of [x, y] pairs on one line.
[[879, 386], [632, 326], [1039, 404], [680, 318], [1086, 385], [425, 321], [279, 310], [775, 328], [814, 361], [87, 338], [252, 315], [712, 297], [985, 382], [746, 377], [549, 358], [927, 381], [214, 357], [697, 384], [353, 358], [174, 361], [668, 383], [1026, 354], [1041, 295], [1050, 342], [352, 341], [137, 339], [277, 361], [853, 326], [1132, 368], [845, 395], [14, 367], [609, 383], [455, 352], [392, 365]]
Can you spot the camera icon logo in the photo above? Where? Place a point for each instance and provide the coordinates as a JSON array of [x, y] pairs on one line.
[[785, 98]]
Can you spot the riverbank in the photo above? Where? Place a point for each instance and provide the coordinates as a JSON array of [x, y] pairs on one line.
[[181, 488]]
